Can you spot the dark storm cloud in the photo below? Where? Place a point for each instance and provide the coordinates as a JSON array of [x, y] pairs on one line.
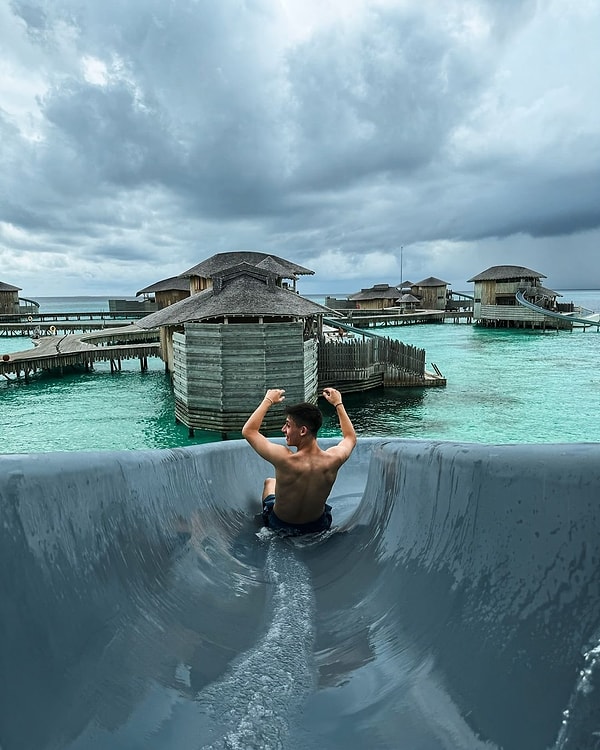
[[105, 136], [205, 112], [570, 204], [191, 127], [378, 101]]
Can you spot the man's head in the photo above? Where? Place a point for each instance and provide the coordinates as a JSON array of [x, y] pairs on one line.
[[305, 415]]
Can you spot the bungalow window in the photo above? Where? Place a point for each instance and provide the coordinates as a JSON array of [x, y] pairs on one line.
[[506, 300]]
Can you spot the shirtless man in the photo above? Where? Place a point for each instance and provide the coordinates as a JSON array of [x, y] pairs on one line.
[[295, 500]]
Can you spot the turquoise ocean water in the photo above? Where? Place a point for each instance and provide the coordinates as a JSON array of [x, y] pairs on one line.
[[503, 387]]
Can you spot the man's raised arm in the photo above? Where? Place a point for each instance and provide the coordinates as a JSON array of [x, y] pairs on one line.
[[251, 430], [345, 447]]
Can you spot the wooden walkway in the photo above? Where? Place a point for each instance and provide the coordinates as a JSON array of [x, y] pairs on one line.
[[57, 352], [381, 318], [45, 324]]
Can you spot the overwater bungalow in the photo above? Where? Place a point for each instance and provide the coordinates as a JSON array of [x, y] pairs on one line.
[[496, 301], [12, 304], [168, 291], [377, 297], [432, 293], [228, 342], [428, 294], [9, 299]]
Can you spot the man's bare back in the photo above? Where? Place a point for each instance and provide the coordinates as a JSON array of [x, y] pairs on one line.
[[304, 478], [303, 483]]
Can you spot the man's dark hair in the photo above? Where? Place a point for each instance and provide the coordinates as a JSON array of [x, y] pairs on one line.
[[306, 415]]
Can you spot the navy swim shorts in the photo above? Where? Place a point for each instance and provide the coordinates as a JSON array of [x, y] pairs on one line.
[[273, 522]]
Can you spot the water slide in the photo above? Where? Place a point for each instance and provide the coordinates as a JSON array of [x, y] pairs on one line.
[[454, 605], [593, 320]]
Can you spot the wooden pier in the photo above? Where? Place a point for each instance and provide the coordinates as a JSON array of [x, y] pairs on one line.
[[57, 352], [51, 324], [383, 318]]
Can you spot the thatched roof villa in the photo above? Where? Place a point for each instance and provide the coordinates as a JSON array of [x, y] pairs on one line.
[[432, 292], [377, 297], [12, 304], [495, 301], [243, 333]]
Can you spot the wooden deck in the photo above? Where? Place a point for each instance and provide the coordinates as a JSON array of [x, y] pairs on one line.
[[57, 352], [515, 316]]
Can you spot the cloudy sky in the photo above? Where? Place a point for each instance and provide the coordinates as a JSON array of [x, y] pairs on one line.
[[139, 137]]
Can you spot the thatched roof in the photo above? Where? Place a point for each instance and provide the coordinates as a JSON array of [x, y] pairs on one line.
[[507, 273], [243, 291], [9, 287], [408, 298], [275, 266], [431, 281], [175, 283], [378, 291], [285, 269]]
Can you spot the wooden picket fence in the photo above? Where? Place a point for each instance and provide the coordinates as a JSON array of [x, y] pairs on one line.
[[362, 364]]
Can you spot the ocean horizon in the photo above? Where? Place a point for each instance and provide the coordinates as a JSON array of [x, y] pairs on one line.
[[56, 303], [504, 386]]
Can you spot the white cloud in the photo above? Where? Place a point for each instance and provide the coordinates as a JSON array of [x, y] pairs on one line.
[[94, 70], [335, 264]]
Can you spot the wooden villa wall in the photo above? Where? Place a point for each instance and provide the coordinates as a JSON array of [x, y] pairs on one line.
[[166, 347], [9, 302], [488, 291], [221, 372], [484, 294], [170, 297], [199, 284], [376, 304], [432, 297]]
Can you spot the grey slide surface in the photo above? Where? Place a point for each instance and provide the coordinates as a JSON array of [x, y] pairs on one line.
[[454, 604]]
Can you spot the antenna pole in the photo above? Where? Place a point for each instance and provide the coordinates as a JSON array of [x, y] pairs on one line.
[[401, 274]]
